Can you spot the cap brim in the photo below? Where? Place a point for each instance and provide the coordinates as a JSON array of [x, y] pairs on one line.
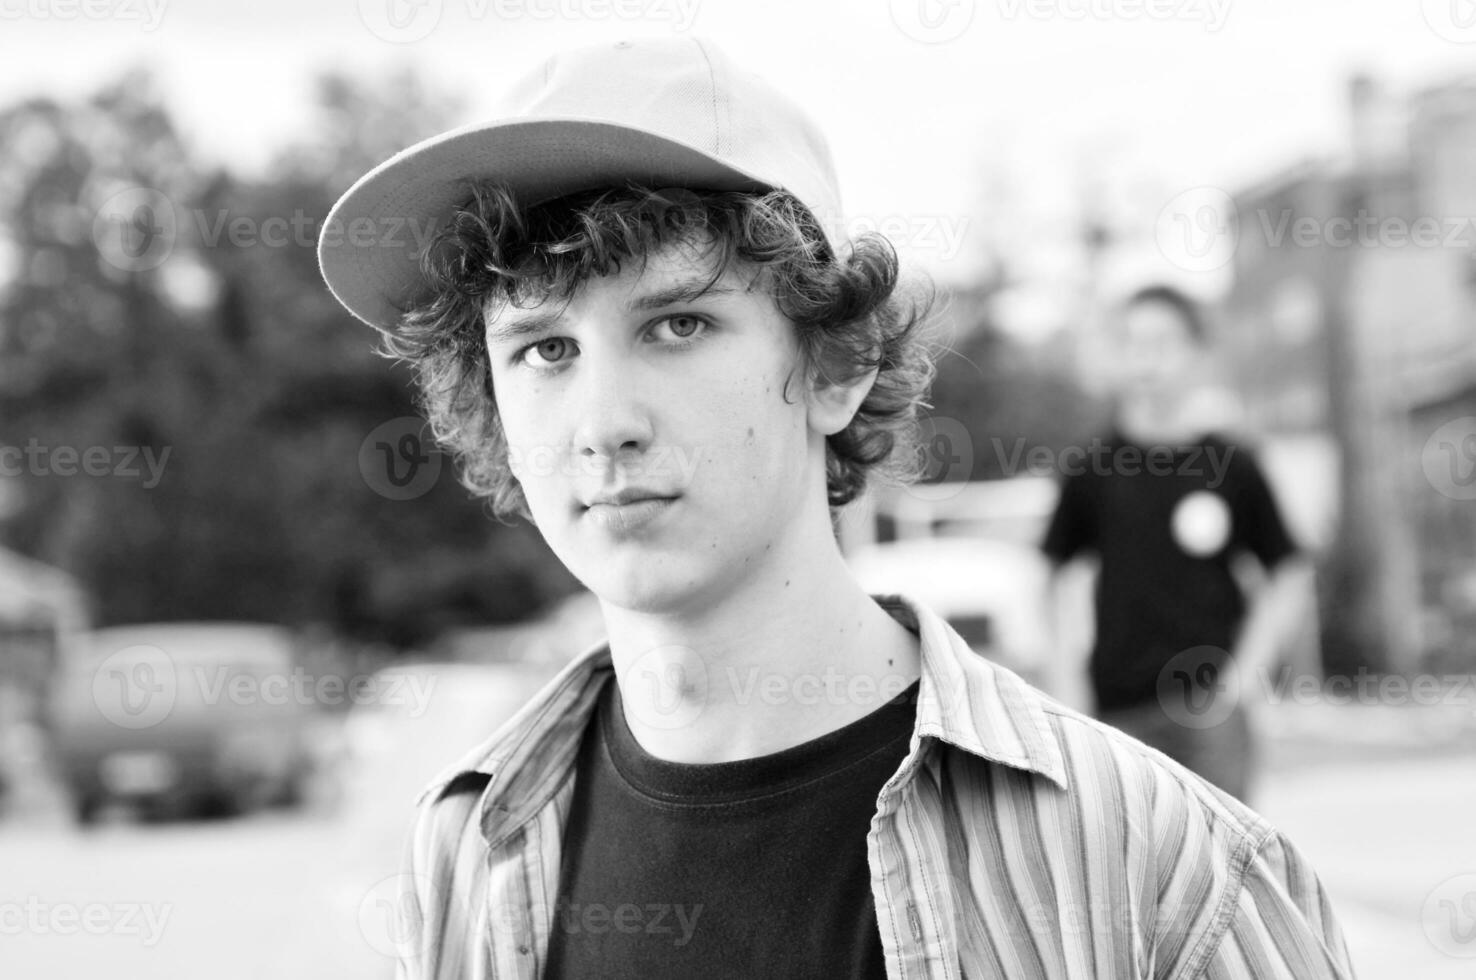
[[370, 246]]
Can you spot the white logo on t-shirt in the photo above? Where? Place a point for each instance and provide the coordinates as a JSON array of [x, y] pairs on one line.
[[1201, 523]]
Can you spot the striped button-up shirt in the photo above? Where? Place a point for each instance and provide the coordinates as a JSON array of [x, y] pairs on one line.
[[1018, 839]]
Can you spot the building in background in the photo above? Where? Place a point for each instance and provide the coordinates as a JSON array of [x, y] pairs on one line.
[[1352, 320]]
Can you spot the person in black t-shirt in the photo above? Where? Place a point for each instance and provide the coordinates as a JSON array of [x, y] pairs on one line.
[[1169, 509]]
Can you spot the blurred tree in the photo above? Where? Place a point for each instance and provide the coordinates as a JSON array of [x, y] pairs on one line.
[[157, 309], [1009, 396]]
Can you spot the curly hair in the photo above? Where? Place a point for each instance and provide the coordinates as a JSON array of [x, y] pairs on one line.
[[849, 313]]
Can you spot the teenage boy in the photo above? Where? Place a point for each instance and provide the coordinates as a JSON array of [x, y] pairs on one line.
[[1170, 509], [637, 327]]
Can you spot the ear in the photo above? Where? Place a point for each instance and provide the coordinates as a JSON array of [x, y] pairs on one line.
[[831, 407]]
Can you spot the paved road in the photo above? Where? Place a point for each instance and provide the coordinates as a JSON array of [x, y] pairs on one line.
[[266, 897], [1385, 836], [289, 897]]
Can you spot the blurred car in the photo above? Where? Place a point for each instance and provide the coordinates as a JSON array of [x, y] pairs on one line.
[[990, 591], [182, 719]]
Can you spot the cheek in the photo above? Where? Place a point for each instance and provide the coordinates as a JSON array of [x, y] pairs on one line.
[[531, 456], [767, 436]]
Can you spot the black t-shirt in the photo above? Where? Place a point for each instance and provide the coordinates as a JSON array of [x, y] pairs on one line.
[[1166, 522], [756, 868]]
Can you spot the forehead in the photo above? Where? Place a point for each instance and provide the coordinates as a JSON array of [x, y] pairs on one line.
[[676, 273]]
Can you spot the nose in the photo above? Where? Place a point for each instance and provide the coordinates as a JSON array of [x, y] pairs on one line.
[[612, 414]]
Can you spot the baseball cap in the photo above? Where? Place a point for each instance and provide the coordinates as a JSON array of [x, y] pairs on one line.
[[664, 112]]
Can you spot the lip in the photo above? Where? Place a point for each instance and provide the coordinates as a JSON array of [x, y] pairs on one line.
[[629, 495], [628, 516]]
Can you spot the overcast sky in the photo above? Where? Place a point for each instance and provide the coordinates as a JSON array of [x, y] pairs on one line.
[[929, 103]]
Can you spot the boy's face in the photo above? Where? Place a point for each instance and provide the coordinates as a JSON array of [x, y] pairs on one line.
[[638, 383], [1152, 349]]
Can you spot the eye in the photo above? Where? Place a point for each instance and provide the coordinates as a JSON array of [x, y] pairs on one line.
[[683, 325], [550, 350]]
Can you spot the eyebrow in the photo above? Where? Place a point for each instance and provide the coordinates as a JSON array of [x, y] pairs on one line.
[[683, 291], [517, 327]]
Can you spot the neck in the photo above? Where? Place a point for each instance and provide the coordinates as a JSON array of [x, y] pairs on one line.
[[792, 650], [1157, 418]]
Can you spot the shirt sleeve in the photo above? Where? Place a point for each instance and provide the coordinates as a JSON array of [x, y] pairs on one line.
[[1072, 527], [1259, 527], [1282, 925]]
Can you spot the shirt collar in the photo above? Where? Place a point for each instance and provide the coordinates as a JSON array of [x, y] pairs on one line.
[[963, 699]]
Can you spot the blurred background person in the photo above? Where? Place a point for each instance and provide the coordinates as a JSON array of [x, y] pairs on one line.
[[1169, 505]]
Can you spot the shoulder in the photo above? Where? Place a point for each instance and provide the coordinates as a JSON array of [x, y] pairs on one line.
[[1225, 883], [1147, 787], [543, 730], [1127, 829], [1107, 778]]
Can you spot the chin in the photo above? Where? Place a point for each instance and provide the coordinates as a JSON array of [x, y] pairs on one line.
[[646, 586], [637, 596]]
